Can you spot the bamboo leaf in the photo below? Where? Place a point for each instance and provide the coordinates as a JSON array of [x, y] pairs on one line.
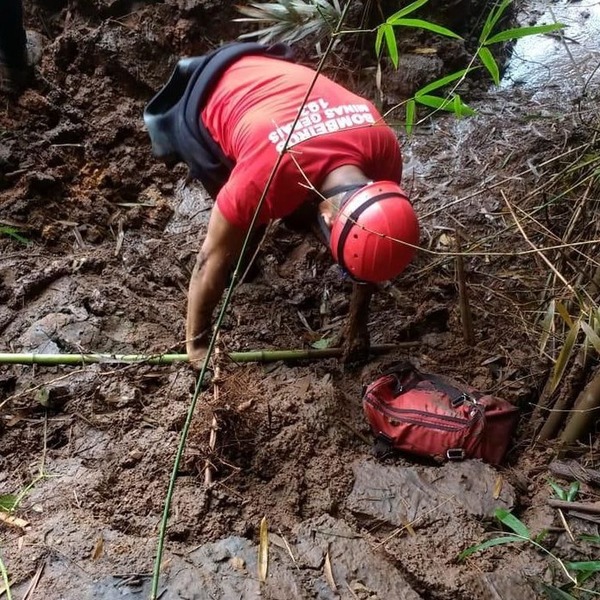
[[443, 104], [379, 40], [547, 325], [14, 233], [492, 19], [591, 336], [564, 313], [489, 63], [520, 32], [573, 491], [8, 502], [435, 102], [98, 548], [498, 484], [512, 522], [405, 11], [553, 593], [329, 573], [438, 83], [411, 108], [590, 565], [560, 493], [563, 358], [592, 539], [263, 551], [420, 24], [322, 343], [505, 539], [460, 108], [391, 44]]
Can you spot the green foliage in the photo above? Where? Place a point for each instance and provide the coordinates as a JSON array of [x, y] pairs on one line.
[[14, 233], [486, 39], [291, 20], [452, 102], [322, 343], [8, 502], [423, 96], [5, 580], [505, 539], [591, 539], [577, 572], [385, 31], [590, 330], [568, 495]]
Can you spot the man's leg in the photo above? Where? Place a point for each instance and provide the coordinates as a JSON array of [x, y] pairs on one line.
[[19, 50], [13, 40]]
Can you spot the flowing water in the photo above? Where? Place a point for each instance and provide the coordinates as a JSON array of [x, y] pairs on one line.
[[566, 62]]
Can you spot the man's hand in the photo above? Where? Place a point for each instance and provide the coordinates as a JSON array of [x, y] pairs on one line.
[[197, 349], [220, 249]]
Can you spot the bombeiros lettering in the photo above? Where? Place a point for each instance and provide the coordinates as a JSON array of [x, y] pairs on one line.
[[318, 118]]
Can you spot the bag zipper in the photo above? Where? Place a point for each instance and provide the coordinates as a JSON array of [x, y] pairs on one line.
[[460, 423]]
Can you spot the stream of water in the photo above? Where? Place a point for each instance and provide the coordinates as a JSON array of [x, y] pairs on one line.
[[567, 61]]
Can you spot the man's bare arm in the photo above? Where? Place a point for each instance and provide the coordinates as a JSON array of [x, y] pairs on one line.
[[355, 338], [219, 251]]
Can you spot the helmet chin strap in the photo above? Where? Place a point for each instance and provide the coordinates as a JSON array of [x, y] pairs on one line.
[[348, 187], [334, 191], [348, 190]]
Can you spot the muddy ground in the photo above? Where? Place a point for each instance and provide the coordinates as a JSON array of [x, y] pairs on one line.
[[107, 240]]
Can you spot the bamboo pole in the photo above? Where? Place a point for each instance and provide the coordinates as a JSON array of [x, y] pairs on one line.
[[562, 404], [585, 412], [52, 360]]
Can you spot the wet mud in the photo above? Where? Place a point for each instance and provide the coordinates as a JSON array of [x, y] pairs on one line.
[[106, 242]]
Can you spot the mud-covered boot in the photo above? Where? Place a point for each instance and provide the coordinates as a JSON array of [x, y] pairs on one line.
[[15, 79]]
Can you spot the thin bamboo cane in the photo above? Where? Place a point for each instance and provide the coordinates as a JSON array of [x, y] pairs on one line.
[[466, 316], [52, 360], [214, 426]]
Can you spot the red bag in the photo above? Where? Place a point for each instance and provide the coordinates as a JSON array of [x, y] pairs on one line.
[[434, 416]]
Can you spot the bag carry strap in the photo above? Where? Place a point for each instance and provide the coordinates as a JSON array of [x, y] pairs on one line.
[[456, 395]]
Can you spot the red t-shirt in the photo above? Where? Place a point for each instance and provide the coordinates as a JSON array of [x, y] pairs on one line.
[[250, 113]]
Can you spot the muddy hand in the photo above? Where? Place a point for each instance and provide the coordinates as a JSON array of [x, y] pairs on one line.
[[197, 350], [355, 340]]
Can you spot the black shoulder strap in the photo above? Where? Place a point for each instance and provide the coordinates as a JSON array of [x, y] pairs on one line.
[[198, 91], [173, 115]]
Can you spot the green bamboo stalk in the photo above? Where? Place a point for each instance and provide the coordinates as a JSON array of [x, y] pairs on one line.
[[52, 360]]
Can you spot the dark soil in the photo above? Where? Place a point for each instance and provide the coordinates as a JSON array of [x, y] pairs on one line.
[[111, 239]]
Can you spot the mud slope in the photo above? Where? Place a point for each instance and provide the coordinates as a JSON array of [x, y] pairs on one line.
[[101, 262]]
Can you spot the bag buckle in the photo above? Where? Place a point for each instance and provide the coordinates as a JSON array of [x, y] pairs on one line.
[[464, 398], [455, 454], [459, 401]]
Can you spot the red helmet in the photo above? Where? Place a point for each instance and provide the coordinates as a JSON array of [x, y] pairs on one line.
[[374, 235]]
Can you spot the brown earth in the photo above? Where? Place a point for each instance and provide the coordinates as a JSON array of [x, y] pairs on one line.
[[111, 239]]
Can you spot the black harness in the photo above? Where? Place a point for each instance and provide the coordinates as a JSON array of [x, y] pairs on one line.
[[173, 115]]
